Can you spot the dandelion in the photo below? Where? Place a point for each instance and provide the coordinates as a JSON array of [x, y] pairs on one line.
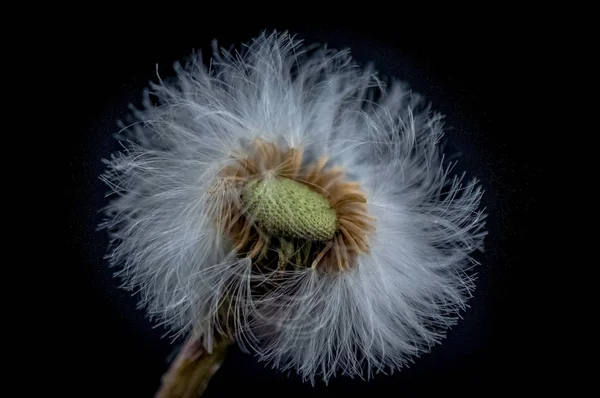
[[286, 200]]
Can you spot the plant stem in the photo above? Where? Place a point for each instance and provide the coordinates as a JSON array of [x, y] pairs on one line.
[[191, 371]]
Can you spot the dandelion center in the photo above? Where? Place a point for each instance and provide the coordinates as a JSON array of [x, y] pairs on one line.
[[280, 211], [286, 208]]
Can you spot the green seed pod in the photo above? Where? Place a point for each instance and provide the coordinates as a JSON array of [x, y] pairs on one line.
[[286, 208]]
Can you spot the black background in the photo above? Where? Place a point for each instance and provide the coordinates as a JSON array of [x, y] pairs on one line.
[[478, 73]]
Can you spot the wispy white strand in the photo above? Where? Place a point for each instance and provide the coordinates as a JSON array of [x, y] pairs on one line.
[[400, 298]]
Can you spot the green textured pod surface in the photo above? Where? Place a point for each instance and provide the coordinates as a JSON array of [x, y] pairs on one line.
[[287, 208]]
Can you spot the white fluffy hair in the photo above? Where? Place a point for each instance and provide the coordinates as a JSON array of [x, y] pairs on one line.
[[397, 301]]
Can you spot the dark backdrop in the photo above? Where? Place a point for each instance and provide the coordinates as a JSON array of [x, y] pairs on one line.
[[475, 72]]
